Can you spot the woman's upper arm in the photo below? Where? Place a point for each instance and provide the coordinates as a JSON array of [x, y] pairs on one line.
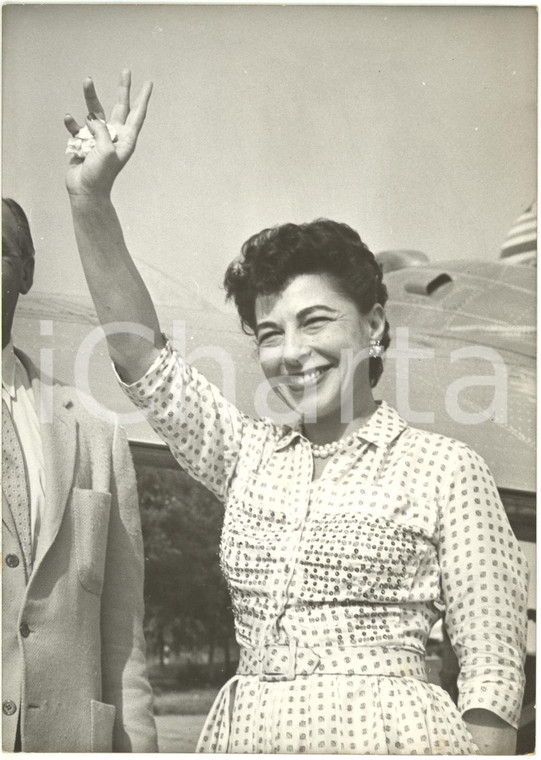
[[484, 580], [203, 430]]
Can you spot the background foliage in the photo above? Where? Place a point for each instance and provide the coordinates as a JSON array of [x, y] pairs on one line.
[[186, 599]]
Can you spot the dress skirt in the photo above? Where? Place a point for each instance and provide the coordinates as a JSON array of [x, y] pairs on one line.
[[334, 714]]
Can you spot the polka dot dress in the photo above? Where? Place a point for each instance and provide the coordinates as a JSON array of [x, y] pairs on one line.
[[336, 583]]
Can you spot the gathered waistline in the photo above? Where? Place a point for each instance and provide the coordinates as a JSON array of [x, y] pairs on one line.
[[286, 661]]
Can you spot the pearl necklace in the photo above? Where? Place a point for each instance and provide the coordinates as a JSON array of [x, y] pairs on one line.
[[325, 450]]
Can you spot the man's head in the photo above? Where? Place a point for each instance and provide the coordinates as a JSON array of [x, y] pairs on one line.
[[17, 262]]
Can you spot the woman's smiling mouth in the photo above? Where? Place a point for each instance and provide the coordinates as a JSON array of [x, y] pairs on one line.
[[302, 380]]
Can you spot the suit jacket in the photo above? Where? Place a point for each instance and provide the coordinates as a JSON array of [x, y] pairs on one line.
[[74, 669]]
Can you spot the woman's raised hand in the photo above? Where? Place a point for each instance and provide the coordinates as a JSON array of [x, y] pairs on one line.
[[96, 173]]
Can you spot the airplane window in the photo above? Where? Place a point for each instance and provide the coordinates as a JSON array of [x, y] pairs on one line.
[[437, 283], [422, 286]]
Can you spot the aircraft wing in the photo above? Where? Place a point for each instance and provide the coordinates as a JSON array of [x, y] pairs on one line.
[[62, 335], [487, 308], [473, 325]]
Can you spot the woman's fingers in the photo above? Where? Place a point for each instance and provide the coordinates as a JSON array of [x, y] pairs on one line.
[[99, 131], [138, 113], [125, 124], [93, 104], [121, 108], [71, 124]]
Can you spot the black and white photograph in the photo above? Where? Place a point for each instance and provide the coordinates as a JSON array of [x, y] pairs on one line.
[[269, 326]]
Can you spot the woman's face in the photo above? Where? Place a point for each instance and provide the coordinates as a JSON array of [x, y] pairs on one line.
[[313, 347]]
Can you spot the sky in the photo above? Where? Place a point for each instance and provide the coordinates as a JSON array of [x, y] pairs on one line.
[[415, 125]]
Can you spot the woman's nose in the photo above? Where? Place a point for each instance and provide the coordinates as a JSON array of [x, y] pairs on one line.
[[295, 350]]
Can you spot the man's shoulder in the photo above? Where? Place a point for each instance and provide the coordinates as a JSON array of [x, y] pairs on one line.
[[67, 399], [84, 408]]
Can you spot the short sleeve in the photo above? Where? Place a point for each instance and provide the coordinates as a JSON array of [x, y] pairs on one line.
[[204, 431], [484, 581]]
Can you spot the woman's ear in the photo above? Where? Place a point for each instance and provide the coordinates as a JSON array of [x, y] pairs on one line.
[[376, 318], [27, 275]]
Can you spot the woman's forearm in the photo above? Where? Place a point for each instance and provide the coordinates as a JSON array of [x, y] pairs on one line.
[[116, 287], [492, 735], [118, 292]]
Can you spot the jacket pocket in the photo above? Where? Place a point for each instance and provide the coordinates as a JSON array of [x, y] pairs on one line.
[[102, 718], [91, 510]]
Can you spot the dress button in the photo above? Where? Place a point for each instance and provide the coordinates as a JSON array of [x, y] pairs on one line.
[[12, 560], [9, 707], [25, 630]]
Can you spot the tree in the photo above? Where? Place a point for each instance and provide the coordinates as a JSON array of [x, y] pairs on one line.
[[186, 598]]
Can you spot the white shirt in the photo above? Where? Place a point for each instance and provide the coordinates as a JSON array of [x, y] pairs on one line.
[[17, 394]]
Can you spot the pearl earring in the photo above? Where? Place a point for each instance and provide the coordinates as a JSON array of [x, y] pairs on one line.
[[376, 350]]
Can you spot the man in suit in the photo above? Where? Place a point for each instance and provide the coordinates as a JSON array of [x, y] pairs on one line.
[[74, 671]]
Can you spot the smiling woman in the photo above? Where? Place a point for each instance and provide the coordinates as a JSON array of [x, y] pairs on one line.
[[347, 534], [313, 296], [274, 257]]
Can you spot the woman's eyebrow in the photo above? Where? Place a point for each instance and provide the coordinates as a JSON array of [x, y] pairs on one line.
[[309, 309], [300, 315]]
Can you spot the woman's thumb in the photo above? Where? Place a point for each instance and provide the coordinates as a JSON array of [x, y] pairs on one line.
[[98, 129]]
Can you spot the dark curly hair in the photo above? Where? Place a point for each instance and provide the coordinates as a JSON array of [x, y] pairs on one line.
[[272, 257]]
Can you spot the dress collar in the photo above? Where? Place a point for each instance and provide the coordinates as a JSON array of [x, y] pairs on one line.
[[381, 428]]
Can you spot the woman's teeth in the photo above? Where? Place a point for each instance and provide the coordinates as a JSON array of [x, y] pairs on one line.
[[306, 378]]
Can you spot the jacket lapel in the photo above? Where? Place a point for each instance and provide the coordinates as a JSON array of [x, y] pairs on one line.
[[59, 438]]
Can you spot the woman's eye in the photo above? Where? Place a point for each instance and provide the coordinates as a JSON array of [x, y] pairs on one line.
[[316, 322], [266, 338]]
